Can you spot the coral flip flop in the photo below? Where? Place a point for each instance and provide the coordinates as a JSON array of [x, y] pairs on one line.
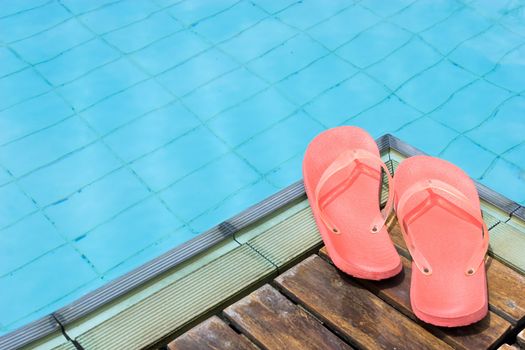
[[438, 209], [342, 177]]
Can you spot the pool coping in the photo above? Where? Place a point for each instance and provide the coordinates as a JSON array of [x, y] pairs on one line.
[[90, 302]]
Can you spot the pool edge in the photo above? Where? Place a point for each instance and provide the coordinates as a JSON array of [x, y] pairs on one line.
[[54, 323]]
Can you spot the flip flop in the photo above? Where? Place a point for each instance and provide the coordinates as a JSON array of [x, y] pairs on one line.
[[438, 209], [342, 176]]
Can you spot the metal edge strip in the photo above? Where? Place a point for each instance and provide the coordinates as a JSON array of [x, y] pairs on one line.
[[520, 213], [46, 325]]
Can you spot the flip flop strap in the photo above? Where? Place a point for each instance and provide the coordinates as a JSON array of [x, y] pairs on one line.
[[350, 160], [450, 199]]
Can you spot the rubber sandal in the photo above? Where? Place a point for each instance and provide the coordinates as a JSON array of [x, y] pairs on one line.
[[437, 206], [342, 175]]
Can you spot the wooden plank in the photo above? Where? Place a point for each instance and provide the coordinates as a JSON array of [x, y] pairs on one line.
[[211, 334], [396, 292], [273, 322], [505, 285], [508, 347], [521, 338], [352, 311]]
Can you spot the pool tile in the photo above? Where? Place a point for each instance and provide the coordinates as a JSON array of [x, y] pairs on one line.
[[257, 40], [250, 117], [21, 86], [403, 64], [4, 177], [169, 52], [226, 91], [273, 6], [126, 234], [193, 195], [380, 41], [79, 7], [286, 173], [123, 107], [306, 13], [421, 14], [103, 20], [100, 83], [143, 33], [53, 42], [516, 20], [346, 100], [344, 26], [226, 24], [288, 58], [69, 135], [418, 132], [57, 181], [233, 205], [32, 115], [386, 117], [191, 12], [492, 9], [510, 71], [316, 78], [469, 155], [174, 161], [151, 131], [434, 86], [13, 7], [386, 8], [480, 54], [10, 63], [15, 250], [514, 184], [198, 71], [505, 129], [27, 23], [280, 143], [448, 34], [14, 205], [77, 62], [97, 203], [470, 106], [45, 275], [150, 252], [516, 155]]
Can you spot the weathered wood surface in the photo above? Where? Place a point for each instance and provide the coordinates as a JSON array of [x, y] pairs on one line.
[[352, 311], [508, 347], [506, 286], [396, 292], [212, 334], [521, 338], [273, 322]]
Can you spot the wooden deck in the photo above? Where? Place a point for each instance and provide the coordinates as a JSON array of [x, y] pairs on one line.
[[313, 305]]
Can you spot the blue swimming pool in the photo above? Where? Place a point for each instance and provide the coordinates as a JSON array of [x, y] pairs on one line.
[[129, 127]]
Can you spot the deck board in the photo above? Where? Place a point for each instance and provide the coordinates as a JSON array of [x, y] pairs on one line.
[[361, 317], [273, 322], [212, 334], [396, 292], [505, 285]]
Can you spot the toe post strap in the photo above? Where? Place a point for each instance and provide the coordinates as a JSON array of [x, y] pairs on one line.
[[352, 162], [451, 199]]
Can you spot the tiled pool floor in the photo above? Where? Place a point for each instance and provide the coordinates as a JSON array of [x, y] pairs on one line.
[[128, 127]]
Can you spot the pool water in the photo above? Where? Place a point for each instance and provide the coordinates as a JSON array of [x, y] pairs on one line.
[[129, 127]]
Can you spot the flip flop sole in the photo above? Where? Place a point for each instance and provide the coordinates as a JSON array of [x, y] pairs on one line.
[[448, 296], [354, 250]]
